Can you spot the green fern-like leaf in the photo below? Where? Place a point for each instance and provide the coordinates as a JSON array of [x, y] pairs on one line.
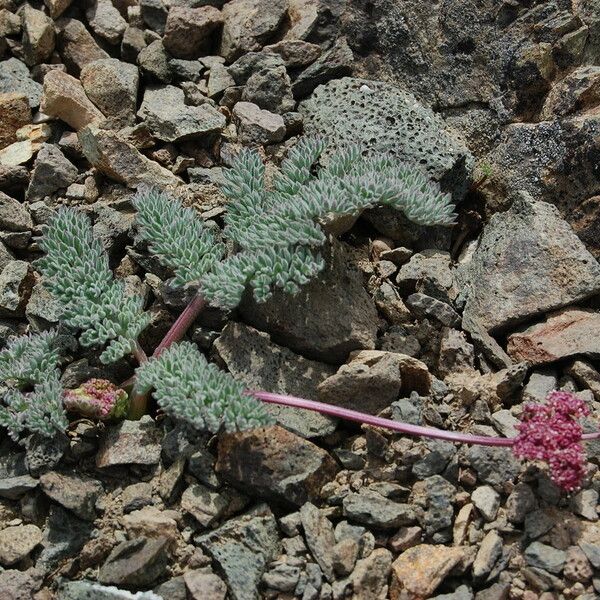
[[76, 272], [189, 388], [32, 400], [177, 236]]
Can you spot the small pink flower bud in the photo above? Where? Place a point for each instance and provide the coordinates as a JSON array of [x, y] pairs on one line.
[[97, 399], [551, 433]]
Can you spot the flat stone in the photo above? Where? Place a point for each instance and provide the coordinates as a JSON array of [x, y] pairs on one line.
[[204, 586], [487, 555], [545, 557], [258, 126], [320, 538], [486, 501], [171, 120], [14, 113], [14, 216], [139, 562], [372, 379], [150, 522], [15, 78], [188, 30], [241, 549], [17, 585], [520, 502], [106, 21], [15, 487], [424, 306], [348, 319], [273, 462], [248, 24], [566, 333], [130, 442], [38, 35], [120, 160], [112, 85], [65, 99], [52, 171], [368, 507], [205, 505], [494, 466], [418, 571], [518, 269], [92, 590], [295, 53], [17, 542], [75, 493], [76, 45], [253, 359]]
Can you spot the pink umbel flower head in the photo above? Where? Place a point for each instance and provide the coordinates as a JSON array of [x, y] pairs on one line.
[[97, 399], [550, 432]]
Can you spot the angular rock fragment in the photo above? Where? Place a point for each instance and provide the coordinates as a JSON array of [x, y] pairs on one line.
[[76, 45], [106, 21], [38, 35], [275, 463], [566, 333], [171, 120], [16, 282], [528, 261], [368, 507], [14, 114], [65, 99], [14, 216], [15, 78], [17, 542], [257, 126], [252, 358], [295, 53], [57, 7], [75, 493], [187, 30], [52, 171]]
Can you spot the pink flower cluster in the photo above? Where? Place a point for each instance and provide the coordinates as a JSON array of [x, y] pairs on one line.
[[550, 432], [97, 399]]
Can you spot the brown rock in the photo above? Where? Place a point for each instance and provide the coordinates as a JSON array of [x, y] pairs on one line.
[[17, 542], [370, 576], [295, 53], [275, 463], [76, 45], [565, 333], [188, 30], [78, 494], [151, 522], [120, 160], [586, 376], [57, 7], [577, 92], [373, 379], [14, 113], [204, 586], [418, 571], [38, 35], [65, 99], [585, 220]]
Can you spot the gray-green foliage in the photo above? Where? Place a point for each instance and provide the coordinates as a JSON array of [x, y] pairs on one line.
[[32, 398], [176, 236], [278, 231], [76, 272], [189, 388]]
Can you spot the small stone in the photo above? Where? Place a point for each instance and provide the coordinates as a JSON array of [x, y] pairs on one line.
[[540, 384], [57, 7], [17, 542], [320, 538], [15, 487], [586, 376], [371, 574], [76, 45], [564, 334], [505, 422], [14, 114], [136, 496], [585, 503], [248, 24], [424, 306], [106, 21], [545, 557], [188, 30], [132, 44], [120, 160], [75, 493], [270, 89], [170, 480], [219, 80], [14, 216], [494, 466], [486, 501], [171, 120], [112, 86], [139, 562], [203, 504], [38, 35], [257, 126], [204, 586], [130, 442], [17, 585], [65, 99], [155, 61], [488, 554], [52, 171], [150, 522], [16, 283], [276, 463], [15, 78], [418, 571], [405, 538], [520, 503], [461, 525], [371, 508], [577, 566], [343, 556], [295, 53], [283, 578]]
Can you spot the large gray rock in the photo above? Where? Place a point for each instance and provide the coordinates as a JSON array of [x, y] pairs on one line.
[[368, 507], [330, 316], [253, 359], [242, 548], [171, 120], [528, 261], [386, 119]]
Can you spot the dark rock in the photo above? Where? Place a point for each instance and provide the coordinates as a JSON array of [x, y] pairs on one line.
[[15, 78], [75, 493], [545, 557], [52, 171], [13, 488], [43, 453], [76, 45], [14, 216], [275, 463], [371, 508], [188, 30], [494, 466], [424, 306]]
